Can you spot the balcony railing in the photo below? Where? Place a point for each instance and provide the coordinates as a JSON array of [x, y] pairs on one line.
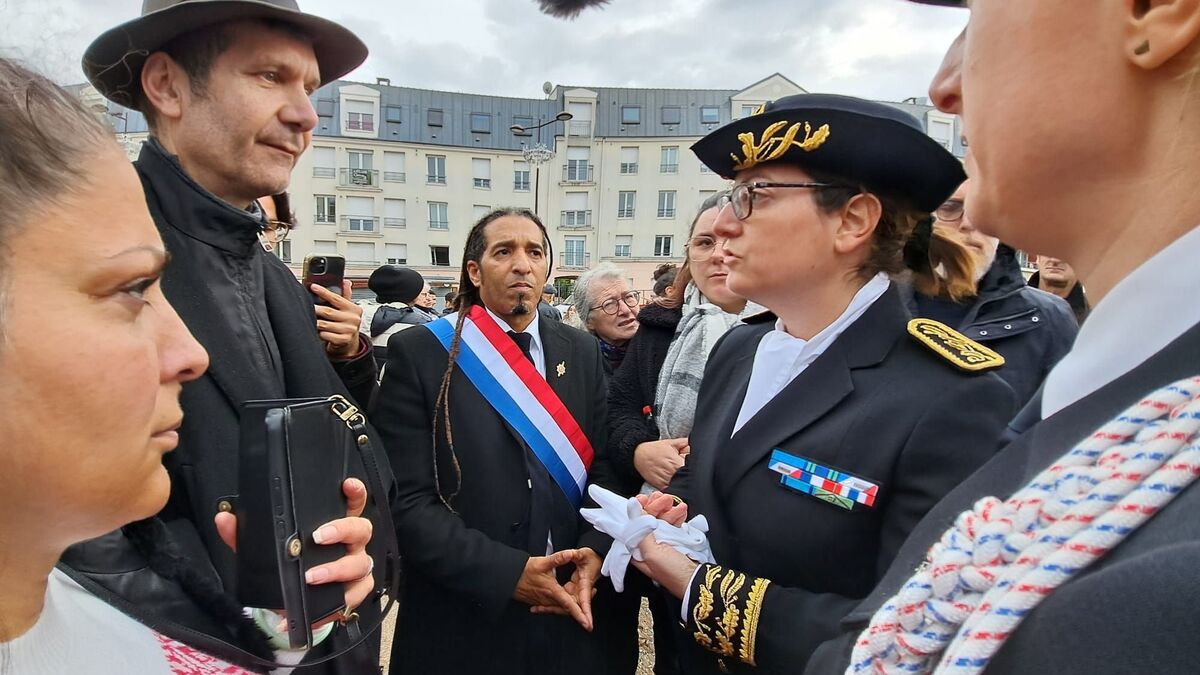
[[365, 225], [439, 224], [394, 222], [574, 260], [324, 172], [393, 176], [579, 127], [629, 168], [668, 168], [434, 179], [577, 173], [521, 185], [666, 213], [576, 220], [358, 178], [484, 183]]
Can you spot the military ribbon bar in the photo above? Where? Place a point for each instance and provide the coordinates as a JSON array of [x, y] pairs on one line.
[[515, 389], [838, 488]]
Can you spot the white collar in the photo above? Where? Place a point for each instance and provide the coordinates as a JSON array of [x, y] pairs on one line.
[[864, 298], [1145, 312], [532, 328]]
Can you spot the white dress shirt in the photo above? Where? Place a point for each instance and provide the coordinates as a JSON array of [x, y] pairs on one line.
[[781, 357], [1142, 314], [535, 347]]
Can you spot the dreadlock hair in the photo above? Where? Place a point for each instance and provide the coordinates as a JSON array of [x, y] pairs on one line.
[[469, 296]]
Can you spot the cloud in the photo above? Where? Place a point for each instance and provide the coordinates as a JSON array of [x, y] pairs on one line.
[[883, 49]]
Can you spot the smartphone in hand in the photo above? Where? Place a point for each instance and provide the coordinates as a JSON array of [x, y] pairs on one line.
[[324, 269]]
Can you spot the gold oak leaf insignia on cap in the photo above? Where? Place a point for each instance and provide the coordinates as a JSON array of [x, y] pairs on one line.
[[773, 146], [953, 346]]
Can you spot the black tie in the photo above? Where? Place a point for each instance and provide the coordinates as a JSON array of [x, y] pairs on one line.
[[523, 340]]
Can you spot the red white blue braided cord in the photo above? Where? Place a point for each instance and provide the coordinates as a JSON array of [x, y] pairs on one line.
[[1000, 559]]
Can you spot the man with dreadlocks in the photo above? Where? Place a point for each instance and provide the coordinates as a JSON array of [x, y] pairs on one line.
[[491, 417]]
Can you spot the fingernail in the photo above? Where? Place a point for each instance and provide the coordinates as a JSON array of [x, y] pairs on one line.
[[316, 576], [325, 534]]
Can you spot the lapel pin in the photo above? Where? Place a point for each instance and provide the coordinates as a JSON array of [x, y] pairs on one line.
[[562, 368]]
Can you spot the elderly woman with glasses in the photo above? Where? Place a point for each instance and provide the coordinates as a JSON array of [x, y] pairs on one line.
[[824, 429], [607, 308]]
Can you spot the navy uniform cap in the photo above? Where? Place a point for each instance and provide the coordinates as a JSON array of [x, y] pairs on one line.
[[876, 144]]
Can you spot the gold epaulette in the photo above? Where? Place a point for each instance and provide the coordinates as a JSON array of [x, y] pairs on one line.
[[724, 619], [953, 346]]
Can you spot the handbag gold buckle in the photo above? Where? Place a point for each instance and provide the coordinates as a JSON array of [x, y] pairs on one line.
[[346, 411]]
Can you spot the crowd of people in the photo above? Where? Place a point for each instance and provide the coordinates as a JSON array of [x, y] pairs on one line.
[[845, 435]]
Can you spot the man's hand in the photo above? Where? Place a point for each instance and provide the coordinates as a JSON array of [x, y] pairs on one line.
[[538, 587], [664, 507], [657, 461], [353, 569], [339, 322], [582, 586], [670, 568]]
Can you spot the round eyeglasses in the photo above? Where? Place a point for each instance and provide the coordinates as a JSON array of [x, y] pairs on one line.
[[742, 196], [951, 211], [612, 305]]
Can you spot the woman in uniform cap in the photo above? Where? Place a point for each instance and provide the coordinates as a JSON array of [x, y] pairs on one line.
[[827, 428]]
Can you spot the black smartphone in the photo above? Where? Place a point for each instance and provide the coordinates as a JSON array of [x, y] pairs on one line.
[[324, 269]]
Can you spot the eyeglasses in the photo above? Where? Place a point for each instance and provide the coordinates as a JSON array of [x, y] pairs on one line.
[[742, 197], [951, 211], [280, 228], [612, 306], [701, 248]]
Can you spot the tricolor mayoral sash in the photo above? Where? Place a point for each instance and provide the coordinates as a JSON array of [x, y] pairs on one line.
[[515, 389]]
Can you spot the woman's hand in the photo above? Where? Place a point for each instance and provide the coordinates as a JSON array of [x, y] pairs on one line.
[[657, 461], [664, 507]]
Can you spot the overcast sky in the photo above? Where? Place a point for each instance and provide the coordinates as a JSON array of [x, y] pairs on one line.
[[883, 49]]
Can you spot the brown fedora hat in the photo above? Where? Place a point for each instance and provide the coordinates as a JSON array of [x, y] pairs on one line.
[[113, 62]]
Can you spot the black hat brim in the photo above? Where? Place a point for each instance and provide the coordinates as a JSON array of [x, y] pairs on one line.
[[879, 146], [942, 3], [113, 62]]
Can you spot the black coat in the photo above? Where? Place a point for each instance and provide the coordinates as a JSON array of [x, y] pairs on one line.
[[876, 404], [1133, 611], [457, 613], [1031, 329], [633, 387], [1076, 298], [203, 468]]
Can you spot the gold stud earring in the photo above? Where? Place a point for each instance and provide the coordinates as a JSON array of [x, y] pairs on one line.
[[1142, 48]]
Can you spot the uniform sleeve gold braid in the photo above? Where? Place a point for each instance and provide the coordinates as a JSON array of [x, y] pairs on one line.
[[773, 146], [758, 590], [953, 346], [726, 616]]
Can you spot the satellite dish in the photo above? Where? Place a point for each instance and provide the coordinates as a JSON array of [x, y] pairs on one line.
[[547, 87]]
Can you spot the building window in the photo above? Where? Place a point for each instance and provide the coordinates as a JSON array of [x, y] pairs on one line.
[[672, 114], [669, 163], [360, 121], [626, 200], [324, 162], [578, 169], [283, 249], [574, 254], [631, 114], [481, 170], [481, 123], [433, 117], [325, 246], [710, 114], [662, 245], [439, 216], [666, 203], [521, 176], [748, 109], [360, 223], [629, 161], [325, 107], [360, 159], [941, 131], [623, 246], [439, 256], [394, 213], [524, 122], [360, 252], [393, 167], [704, 168], [326, 209], [397, 254], [436, 169], [392, 114]]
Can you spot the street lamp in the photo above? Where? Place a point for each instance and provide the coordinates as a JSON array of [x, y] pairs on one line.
[[538, 154]]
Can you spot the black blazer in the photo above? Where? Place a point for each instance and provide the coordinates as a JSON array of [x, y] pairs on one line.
[[461, 566], [1133, 611], [876, 404]]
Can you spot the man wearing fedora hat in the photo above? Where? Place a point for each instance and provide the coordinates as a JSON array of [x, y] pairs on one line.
[[225, 86]]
